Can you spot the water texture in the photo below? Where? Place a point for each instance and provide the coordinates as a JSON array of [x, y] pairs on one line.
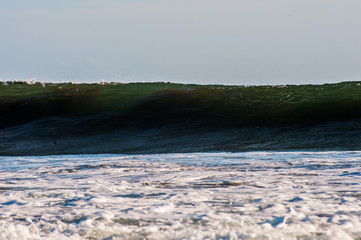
[[47, 118], [254, 195]]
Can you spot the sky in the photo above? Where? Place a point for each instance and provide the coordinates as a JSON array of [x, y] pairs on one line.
[[252, 42]]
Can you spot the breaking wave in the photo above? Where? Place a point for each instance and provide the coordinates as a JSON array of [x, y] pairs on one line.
[[49, 118]]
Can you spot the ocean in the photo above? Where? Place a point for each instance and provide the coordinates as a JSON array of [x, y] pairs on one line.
[[175, 161]]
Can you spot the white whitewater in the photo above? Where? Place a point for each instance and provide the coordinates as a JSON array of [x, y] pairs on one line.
[[255, 195]]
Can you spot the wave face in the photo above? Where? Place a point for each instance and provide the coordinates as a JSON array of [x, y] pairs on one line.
[[38, 119]]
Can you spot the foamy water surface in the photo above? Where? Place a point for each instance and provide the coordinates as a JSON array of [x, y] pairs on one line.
[[254, 195]]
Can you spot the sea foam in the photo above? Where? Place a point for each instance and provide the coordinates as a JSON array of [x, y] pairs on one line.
[[255, 195]]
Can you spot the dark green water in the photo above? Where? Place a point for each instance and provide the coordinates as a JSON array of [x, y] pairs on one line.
[[167, 117]]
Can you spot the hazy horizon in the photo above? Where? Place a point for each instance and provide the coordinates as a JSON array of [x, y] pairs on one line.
[[232, 42]]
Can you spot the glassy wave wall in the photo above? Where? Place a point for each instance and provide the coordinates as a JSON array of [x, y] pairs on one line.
[[48, 118]]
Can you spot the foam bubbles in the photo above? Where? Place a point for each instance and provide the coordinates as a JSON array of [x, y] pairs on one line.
[[257, 195]]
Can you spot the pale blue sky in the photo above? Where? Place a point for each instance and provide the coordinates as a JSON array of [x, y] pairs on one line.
[[190, 41]]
